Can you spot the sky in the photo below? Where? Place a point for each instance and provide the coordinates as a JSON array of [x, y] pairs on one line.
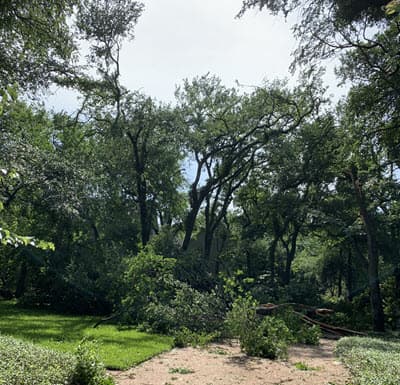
[[178, 39]]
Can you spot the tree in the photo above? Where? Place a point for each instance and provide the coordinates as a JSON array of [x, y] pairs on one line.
[[328, 27], [36, 43], [143, 161], [284, 191], [228, 135]]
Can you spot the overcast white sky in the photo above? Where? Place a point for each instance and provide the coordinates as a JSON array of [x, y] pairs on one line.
[[179, 39]]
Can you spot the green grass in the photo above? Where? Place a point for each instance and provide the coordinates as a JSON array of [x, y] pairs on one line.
[[372, 361], [118, 349]]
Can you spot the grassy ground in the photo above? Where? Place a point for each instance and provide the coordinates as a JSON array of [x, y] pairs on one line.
[[118, 349], [372, 361]]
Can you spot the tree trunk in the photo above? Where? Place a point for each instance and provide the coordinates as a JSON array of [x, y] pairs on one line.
[[349, 276], [190, 222], [145, 221], [290, 254], [21, 281], [272, 250], [373, 256]]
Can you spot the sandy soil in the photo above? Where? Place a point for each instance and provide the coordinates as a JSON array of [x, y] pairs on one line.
[[223, 364]]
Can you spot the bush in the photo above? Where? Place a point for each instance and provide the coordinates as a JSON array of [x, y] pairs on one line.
[[89, 370], [268, 337], [185, 337], [23, 363], [308, 335], [150, 280], [301, 333], [371, 361]]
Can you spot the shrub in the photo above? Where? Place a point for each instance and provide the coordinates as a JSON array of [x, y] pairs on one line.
[[371, 361], [301, 332], [89, 370], [22, 363], [185, 337], [268, 337], [308, 335]]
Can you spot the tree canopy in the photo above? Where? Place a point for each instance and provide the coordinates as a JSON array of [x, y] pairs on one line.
[[225, 196]]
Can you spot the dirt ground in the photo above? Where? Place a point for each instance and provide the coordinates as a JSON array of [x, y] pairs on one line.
[[224, 364]]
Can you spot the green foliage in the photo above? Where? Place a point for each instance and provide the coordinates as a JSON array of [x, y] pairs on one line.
[[270, 339], [187, 308], [185, 337], [303, 366], [301, 333], [267, 338], [372, 361], [159, 301], [22, 363], [198, 311], [118, 348], [309, 335], [10, 238], [36, 41], [393, 7], [391, 305], [354, 315], [89, 370], [150, 282]]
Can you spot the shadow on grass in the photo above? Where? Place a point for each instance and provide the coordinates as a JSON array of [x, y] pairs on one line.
[[64, 332]]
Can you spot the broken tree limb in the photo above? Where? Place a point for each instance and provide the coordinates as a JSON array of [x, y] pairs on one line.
[[269, 308], [336, 331]]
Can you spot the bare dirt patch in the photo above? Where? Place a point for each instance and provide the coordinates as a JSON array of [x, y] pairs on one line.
[[225, 364]]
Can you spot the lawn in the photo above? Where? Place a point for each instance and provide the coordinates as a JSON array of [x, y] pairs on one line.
[[118, 349]]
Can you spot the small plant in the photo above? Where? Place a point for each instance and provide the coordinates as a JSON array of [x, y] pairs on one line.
[[303, 366], [309, 335], [89, 370], [181, 370]]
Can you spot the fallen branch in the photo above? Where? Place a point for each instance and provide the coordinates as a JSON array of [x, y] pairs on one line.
[[270, 308]]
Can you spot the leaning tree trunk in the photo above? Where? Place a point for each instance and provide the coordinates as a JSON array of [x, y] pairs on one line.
[[373, 256]]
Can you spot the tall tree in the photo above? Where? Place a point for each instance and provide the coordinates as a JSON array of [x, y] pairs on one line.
[[227, 135]]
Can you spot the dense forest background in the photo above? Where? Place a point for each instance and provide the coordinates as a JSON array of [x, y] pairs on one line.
[[151, 210]]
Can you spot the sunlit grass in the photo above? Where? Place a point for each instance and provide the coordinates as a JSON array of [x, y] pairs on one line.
[[118, 349]]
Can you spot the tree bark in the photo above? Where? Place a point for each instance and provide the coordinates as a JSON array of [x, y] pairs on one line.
[[190, 222], [290, 254], [373, 255]]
